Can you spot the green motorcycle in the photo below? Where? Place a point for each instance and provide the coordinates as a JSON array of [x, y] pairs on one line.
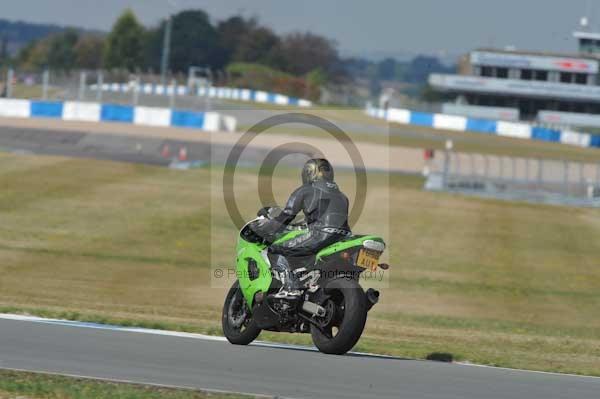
[[333, 307]]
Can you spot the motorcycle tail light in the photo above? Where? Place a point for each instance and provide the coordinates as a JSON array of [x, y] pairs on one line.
[[374, 245]]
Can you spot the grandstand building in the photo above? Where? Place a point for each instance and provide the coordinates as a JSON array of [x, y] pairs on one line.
[[560, 89]]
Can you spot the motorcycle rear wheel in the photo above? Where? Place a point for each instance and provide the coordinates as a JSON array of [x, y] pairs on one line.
[[347, 323], [238, 326]]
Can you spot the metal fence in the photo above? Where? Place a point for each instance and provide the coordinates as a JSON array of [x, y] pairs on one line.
[[87, 86], [538, 180]]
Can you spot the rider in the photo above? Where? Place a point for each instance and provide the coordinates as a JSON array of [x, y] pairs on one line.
[[325, 208]]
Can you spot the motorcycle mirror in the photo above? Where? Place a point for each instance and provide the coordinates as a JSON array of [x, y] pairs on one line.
[[264, 212]]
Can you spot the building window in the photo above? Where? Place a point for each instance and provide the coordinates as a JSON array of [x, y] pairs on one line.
[[589, 46], [526, 74], [586, 46], [487, 71], [566, 77], [541, 75], [502, 73], [581, 78], [486, 101]]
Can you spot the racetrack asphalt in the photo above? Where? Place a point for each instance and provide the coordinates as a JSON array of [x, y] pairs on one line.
[[195, 361], [142, 144]]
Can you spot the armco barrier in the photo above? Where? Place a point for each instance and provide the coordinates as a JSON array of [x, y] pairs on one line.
[[227, 93], [15, 108], [117, 113], [500, 128], [94, 112], [46, 109]]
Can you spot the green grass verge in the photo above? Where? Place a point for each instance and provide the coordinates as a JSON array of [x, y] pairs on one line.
[[492, 282], [25, 385], [33, 92]]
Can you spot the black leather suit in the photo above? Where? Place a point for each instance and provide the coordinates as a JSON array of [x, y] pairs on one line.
[[326, 210]]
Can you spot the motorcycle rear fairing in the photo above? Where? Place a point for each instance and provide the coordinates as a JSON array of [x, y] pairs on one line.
[[254, 266]]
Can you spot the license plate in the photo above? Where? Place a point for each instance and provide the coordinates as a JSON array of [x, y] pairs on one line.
[[367, 259]]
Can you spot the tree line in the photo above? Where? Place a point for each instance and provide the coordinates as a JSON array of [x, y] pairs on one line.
[[239, 48], [237, 44]]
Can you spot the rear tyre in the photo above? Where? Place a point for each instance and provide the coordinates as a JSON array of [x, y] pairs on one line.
[[238, 326], [345, 319]]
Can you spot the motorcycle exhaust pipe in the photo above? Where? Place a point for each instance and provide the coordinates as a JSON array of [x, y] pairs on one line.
[[372, 298], [314, 309]]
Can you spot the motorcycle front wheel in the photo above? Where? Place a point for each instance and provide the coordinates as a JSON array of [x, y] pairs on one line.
[[345, 319], [238, 326]]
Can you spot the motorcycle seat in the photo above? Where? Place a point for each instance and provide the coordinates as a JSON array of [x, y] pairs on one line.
[[296, 262], [350, 238]]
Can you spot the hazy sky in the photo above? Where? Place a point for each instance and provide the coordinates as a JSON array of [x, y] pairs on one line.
[[359, 26]]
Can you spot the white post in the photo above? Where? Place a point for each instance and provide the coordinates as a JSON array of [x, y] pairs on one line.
[[166, 50], [82, 83], [514, 169], [173, 93], [207, 105], [9, 82], [136, 91], [100, 83], [207, 101], [45, 83]]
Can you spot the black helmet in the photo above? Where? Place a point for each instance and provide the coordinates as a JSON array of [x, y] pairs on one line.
[[317, 169]]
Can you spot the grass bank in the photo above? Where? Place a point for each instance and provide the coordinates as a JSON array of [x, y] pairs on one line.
[[500, 283], [24, 385]]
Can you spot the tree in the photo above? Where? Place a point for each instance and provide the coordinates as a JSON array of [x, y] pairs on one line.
[[431, 95], [87, 55], [305, 52], [316, 77], [422, 66], [231, 31], [255, 76], [153, 47], [4, 56], [61, 54], [259, 45], [55, 51], [386, 69], [124, 46], [194, 42], [356, 67]]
